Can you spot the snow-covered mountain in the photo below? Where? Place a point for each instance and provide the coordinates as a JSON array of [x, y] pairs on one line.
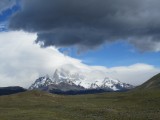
[[65, 81], [41, 82]]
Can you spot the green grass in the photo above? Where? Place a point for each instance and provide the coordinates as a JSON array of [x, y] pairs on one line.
[[34, 105]]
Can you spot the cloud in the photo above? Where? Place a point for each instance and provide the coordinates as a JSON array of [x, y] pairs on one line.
[[5, 4], [3, 26], [22, 61], [134, 74], [91, 23]]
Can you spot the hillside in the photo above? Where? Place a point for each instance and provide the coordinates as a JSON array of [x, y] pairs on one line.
[[36, 105], [151, 84], [11, 90]]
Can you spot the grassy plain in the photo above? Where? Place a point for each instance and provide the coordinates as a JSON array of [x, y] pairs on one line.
[[36, 105]]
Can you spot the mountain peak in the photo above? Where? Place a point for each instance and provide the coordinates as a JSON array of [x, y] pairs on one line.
[[41, 82]]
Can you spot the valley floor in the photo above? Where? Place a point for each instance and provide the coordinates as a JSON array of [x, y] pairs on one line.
[[35, 105]]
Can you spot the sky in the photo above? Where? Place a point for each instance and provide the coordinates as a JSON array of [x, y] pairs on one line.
[[118, 39]]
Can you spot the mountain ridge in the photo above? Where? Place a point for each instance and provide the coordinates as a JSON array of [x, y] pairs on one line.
[[64, 81]]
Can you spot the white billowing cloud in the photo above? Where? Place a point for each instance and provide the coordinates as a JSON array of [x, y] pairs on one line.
[[22, 61], [135, 74]]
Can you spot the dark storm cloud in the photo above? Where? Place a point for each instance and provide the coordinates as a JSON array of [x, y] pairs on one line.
[[90, 23], [4, 4]]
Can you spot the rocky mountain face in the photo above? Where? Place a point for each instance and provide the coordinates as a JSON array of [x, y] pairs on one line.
[[63, 80]]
